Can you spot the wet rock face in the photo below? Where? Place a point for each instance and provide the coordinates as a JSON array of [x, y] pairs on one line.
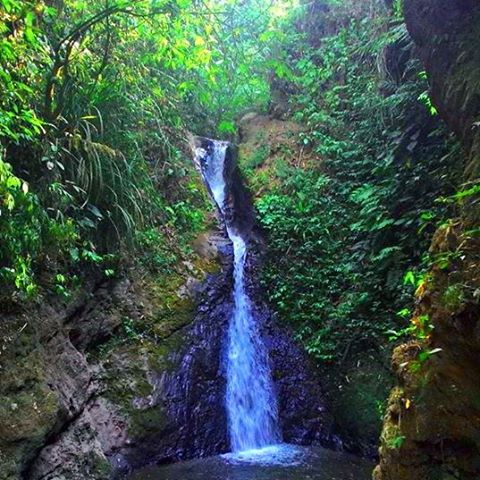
[[48, 387], [238, 208], [68, 412], [304, 417], [79, 451], [187, 395], [93, 320], [303, 414], [446, 33]]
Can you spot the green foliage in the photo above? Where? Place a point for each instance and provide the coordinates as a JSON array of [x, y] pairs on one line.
[[25, 232], [416, 365], [158, 255], [398, 8], [342, 237], [129, 329], [314, 277], [454, 297], [96, 100], [242, 40], [20, 229], [258, 157], [396, 442], [19, 50]]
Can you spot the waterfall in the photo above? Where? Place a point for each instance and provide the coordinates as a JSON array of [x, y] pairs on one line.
[[251, 403], [250, 398]]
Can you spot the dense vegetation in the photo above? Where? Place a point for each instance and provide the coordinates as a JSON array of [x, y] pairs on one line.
[[96, 101], [349, 231], [359, 222]]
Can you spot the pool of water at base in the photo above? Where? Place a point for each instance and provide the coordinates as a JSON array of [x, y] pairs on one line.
[[278, 462]]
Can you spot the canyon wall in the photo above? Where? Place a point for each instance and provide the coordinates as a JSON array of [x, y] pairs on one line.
[[433, 418], [130, 371]]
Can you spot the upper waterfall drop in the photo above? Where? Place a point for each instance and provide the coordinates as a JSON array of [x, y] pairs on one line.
[[212, 166], [251, 402]]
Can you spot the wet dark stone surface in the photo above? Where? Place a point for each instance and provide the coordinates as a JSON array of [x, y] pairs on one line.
[[304, 417], [192, 391]]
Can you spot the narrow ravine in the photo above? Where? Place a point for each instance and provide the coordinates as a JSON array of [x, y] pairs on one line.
[[240, 240], [251, 402], [252, 398]]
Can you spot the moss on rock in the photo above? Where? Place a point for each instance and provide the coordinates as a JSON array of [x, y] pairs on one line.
[[28, 413], [431, 426], [148, 347], [356, 392]]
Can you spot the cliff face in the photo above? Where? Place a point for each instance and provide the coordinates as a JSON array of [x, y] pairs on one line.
[[99, 383], [447, 33], [433, 418]]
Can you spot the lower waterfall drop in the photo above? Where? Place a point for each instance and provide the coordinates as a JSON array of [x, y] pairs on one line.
[[251, 402]]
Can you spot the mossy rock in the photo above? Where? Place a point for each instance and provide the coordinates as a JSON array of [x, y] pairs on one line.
[[178, 313], [127, 384], [125, 376], [146, 422], [357, 395], [269, 147], [28, 412]]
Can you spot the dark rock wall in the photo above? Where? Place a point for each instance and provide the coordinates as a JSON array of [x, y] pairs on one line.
[[304, 416], [71, 411], [447, 35], [188, 393], [431, 428]]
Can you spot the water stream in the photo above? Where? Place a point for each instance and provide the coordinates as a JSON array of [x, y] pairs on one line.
[[250, 397]]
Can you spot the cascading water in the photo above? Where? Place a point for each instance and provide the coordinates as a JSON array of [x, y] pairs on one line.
[[251, 402], [250, 398], [251, 405]]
